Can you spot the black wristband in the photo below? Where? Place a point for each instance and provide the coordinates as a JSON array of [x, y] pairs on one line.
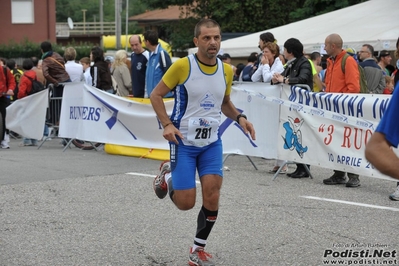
[[239, 116]]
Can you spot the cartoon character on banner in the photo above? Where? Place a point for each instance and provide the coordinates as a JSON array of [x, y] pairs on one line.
[[293, 136]]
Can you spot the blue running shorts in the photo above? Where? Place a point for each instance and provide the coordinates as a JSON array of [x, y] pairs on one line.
[[185, 160]]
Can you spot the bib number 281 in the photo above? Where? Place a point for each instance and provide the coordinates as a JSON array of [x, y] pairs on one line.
[[203, 133]]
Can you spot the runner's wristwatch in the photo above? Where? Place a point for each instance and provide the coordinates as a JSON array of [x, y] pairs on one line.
[[239, 116]]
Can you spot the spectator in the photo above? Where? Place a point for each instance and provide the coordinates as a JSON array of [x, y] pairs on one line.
[[39, 72], [389, 85], [53, 67], [85, 62], [297, 71], [121, 73], [249, 70], [239, 67], [139, 59], [110, 60], [14, 70], [74, 69], [7, 86], [352, 52], [99, 72], [265, 38], [384, 59], [226, 58], [25, 86], [339, 82], [158, 63], [269, 64], [395, 74], [374, 76], [315, 61]]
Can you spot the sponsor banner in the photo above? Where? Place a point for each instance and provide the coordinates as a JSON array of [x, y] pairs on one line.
[[93, 115], [264, 115], [27, 116], [329, 129]]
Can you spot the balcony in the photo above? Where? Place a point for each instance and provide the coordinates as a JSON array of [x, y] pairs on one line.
[[87, 28]]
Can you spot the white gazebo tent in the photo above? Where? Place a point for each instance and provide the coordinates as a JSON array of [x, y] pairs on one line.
[[373, 22]]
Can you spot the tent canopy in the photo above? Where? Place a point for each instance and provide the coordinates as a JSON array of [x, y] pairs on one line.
[[373, 22]]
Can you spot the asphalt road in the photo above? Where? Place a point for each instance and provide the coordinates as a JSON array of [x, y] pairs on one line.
[[90, 208]]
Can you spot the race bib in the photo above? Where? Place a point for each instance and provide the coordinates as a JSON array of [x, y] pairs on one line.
[[202, 131]]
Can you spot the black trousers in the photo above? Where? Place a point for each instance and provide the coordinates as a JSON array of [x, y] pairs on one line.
[[301, 167], [4, 102]]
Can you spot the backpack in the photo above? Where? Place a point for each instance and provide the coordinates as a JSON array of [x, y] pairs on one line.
[[17, 75], [36, 86], [362, 76]]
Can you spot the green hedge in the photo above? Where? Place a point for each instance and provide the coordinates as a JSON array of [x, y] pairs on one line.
[[27, 49]]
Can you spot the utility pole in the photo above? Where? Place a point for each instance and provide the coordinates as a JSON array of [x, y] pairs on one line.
[[118, 23], [101, 17], [127, 24]]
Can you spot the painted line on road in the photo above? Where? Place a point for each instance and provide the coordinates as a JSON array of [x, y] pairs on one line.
[[152, 176], [141, 174], [353, 203]]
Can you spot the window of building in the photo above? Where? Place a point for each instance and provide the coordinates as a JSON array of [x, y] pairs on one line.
[[22, 11]]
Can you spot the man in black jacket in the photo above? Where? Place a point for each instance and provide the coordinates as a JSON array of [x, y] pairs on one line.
[[297, 70]]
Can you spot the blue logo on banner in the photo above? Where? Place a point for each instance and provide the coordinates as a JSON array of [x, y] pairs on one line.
[[293, 136], [114, 118], [226, 123]]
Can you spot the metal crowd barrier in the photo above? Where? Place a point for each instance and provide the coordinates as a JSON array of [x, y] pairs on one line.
[[53, 114]]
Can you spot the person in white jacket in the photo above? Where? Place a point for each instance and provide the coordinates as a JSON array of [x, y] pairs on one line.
[[269, 64]]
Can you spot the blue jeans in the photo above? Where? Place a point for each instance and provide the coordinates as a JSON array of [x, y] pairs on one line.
[[30, 142]]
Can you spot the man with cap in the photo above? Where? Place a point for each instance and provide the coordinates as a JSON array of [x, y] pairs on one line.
[[384, 59], [352, 52]]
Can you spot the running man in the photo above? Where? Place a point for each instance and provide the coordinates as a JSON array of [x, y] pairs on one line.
[[203, 86]]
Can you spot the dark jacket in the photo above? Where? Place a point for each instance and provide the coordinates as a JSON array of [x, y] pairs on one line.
[[299, 72], [53, 68], [374, 75], [101, 76]]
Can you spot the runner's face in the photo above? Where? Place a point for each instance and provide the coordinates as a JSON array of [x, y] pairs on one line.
[[208, 42]]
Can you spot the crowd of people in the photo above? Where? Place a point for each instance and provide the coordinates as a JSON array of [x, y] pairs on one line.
[[343, 72], [136, 76], [191, 129]]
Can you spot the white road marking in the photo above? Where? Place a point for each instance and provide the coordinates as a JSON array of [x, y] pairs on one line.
[[141, 174], [353, 203], [153, 176]]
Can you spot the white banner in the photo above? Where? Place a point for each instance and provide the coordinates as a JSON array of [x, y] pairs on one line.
[[27, 116], [329, 129], [90, 114], [93, 115], [264, 115]]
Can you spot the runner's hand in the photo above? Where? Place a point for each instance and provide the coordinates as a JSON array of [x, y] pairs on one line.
[[170, 132]]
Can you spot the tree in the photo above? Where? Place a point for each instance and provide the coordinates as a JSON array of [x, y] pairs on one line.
[[310, 8], [245, 16]]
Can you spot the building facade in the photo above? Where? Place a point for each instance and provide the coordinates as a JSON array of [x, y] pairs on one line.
[[33, 20]]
